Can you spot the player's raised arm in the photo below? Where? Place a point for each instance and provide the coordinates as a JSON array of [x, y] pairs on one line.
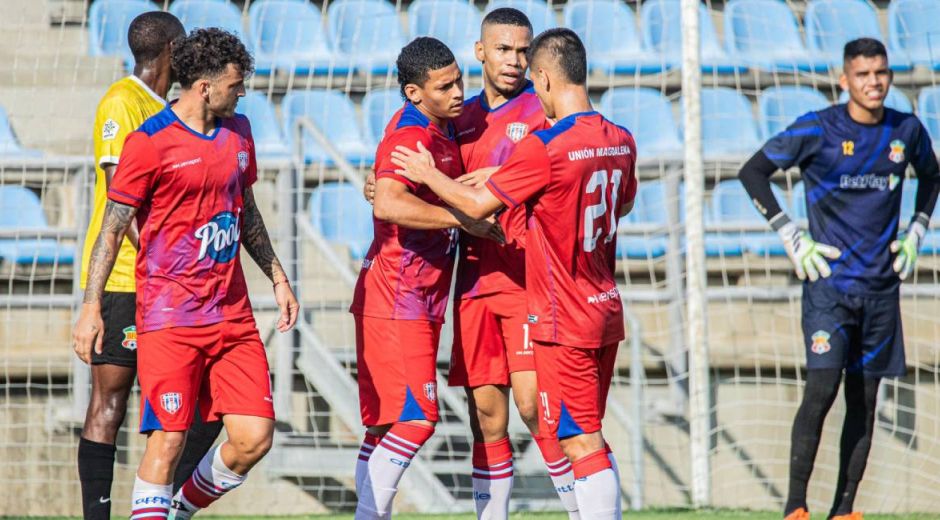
[[787, 149], [89, 330], [258, 245]]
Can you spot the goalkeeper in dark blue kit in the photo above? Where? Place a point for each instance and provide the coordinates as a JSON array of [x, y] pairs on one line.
[[853, 159]]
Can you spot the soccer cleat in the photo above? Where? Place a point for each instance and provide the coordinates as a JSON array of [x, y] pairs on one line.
[[798, 514], [855, 515]]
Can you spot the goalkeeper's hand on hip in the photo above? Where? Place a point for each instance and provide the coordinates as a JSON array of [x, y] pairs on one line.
[[907, 248], [808, 256]]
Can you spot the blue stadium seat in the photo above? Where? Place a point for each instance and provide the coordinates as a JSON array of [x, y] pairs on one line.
[[265, 129], [454, 22], [368, 32], [928, 110], [608, 29], [9, 144], [378, 107], [22, 211], [896, 100], [210, 13], [728, 126], [832, 23], [764, 34], [108, 21], [334, 114], [648, 116], [913, 31], [778, 107], [539, 13], [649, 210], [340, 214], [662, 33], [731, 205], [289, 35]]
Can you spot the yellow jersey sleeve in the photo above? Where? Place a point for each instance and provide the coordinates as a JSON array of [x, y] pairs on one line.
[[113, 123]]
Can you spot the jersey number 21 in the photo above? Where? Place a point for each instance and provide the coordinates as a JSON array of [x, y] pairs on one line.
[[600, 181]]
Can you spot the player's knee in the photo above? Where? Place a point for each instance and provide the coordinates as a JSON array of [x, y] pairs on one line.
[[528, 411], [168, 446], [253, 448], [104, 417], [578, 446]]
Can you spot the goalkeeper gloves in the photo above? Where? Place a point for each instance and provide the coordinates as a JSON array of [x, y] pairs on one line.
[[808, 256], [908, 246]]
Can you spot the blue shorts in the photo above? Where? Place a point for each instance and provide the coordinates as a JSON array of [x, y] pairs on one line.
[[857, 333]]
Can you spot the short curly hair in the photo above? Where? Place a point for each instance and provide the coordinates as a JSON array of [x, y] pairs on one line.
[[205, 53], [417, 59]]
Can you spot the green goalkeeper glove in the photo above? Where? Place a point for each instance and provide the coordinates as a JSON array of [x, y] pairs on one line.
[[908, 246], [808, 256]]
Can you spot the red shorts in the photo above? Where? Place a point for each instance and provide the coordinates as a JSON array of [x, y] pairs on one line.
[[491, 340], [397, 363], [221, 366], [573, 385]]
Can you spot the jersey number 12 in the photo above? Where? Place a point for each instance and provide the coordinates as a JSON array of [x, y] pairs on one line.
[[600, 181]]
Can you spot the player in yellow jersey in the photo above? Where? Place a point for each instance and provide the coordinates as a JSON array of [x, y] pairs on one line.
[[127, 104]]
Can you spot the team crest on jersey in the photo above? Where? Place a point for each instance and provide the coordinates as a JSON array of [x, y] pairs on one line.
[[516, 131], [171, 401], [242, 161], [219, 237], [130, 338], [430, 391], [848, 147], [820, 342], [897, 151]]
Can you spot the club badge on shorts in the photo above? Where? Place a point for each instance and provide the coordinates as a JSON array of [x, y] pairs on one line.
[[430, 391], [820, 342], [130, 338], [171, 401], [516, 131], [242, 161]]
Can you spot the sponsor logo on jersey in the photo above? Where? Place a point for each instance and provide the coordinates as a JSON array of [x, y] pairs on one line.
[[870, 181], [893, 181], [242, 161], [516, 131], [219, 237], [430, 391], [367, 264], [611, 294], [183, 164], [130, 338], [110, 130], [171, 401], [848, 148], [897, 151], [820, 342]]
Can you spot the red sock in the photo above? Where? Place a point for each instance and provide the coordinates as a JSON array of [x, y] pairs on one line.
[[492, 460], [591, 464]]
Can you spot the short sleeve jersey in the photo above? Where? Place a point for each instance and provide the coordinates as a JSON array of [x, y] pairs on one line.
[[189, 190], [127, 104], [406, 273], [487, 137], [574, 179], [853, 175]]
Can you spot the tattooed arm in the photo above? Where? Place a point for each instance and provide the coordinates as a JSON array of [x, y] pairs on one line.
[[257, 243], [89, 330]]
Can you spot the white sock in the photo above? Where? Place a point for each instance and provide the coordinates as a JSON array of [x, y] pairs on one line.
[[211, 479], [386, 465], [563, 480], [492, 488], [150, 501], [598, 496]]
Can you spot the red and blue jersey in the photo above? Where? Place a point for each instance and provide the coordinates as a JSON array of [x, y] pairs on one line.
[[853, 176], [487, 137], [406, 273], [188, 188], [573, 179]]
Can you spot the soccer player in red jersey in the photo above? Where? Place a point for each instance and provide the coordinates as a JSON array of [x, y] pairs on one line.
[[403, 287], [582, 172], [186, 175]]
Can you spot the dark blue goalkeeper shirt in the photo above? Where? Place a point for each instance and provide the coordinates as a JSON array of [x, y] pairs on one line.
[[854, 174]]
